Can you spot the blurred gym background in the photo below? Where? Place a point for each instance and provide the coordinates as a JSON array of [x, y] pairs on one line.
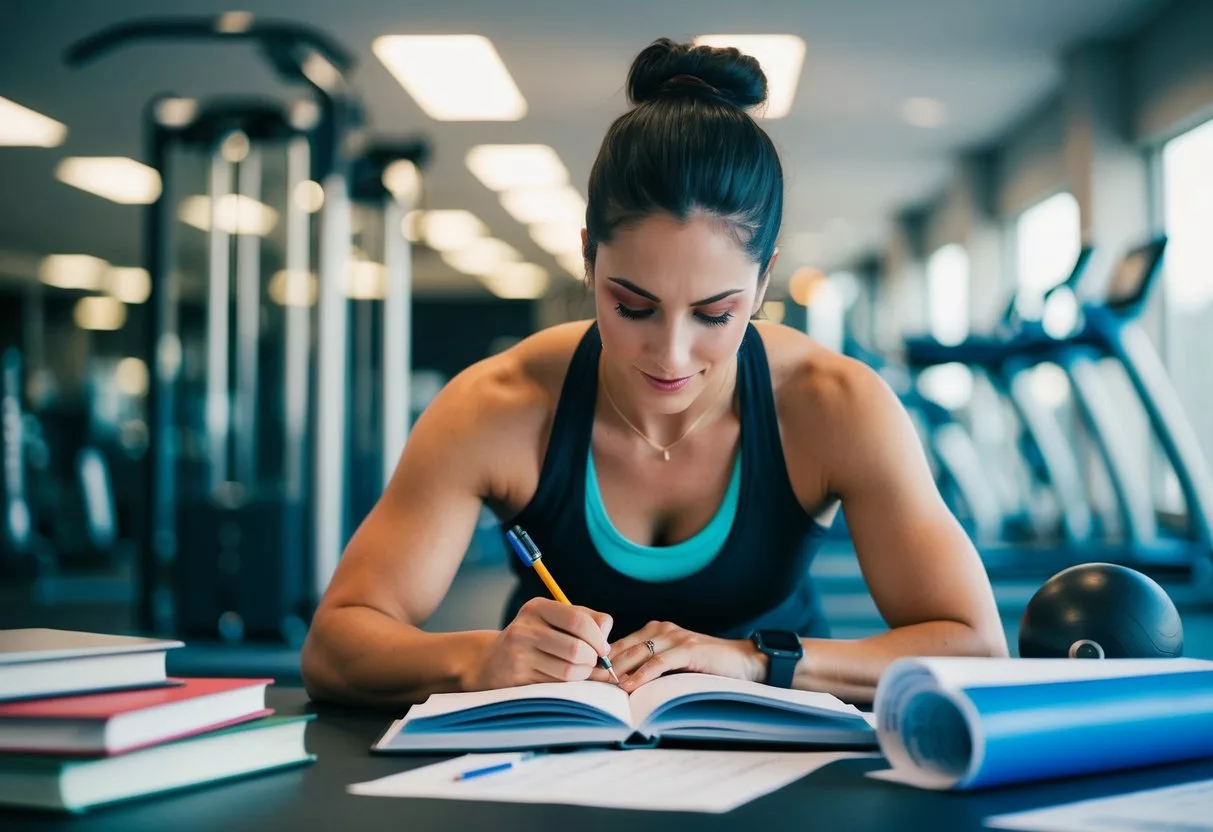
[[241, 250]]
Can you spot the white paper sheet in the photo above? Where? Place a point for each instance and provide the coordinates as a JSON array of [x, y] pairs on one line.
[[1186, 808], [662, 779]]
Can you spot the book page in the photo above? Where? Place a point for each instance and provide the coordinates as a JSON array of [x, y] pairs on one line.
[[601, 696], [651, 779], [657, 693]]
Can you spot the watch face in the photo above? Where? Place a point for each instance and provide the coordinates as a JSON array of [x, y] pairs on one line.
[[781, 640]]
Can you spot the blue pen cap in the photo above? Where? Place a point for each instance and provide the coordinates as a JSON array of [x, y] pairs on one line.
[[521, 543]]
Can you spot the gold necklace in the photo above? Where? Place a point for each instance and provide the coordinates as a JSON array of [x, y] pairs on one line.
[[665, 449]]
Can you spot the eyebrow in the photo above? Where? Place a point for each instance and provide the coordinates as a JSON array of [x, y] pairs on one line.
[[632, 287]]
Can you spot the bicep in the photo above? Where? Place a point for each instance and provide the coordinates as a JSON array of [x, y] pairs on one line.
[[404, 555], [916, 558]]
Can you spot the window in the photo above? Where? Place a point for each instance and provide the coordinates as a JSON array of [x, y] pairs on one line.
[[1187, 173], [950, 385], [1048, 237], [948, 294]]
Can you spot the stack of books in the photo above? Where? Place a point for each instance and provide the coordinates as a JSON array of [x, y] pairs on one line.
[[88, 719]]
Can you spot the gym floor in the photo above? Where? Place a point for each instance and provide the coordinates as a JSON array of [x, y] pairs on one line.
[[479, 593]]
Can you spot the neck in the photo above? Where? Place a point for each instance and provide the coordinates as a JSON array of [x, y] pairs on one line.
[[715, 398]]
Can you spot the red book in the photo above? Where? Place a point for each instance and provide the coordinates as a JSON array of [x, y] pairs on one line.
[[103, 724]]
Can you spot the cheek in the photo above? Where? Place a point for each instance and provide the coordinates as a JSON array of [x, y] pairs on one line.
[[714, 344], [621, 338]]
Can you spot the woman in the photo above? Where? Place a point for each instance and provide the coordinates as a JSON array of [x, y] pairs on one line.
[[676, 464]]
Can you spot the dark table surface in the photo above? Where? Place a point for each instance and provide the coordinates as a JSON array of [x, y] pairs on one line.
[[837, 797]]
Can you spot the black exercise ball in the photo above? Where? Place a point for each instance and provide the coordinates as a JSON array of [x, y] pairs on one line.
[[1100, 610]]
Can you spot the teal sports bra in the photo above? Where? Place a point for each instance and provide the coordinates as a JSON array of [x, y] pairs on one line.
[[658, 563]]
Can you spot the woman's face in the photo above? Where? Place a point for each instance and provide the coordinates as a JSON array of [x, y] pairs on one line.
[[673, 303]]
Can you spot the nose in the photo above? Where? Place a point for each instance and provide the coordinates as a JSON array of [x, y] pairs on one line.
[[672, 349]]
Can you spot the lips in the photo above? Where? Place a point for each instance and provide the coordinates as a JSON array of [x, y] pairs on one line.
[[667, 385]]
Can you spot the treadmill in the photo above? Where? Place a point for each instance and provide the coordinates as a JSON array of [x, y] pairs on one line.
[[1002, 358], [1109, 328]]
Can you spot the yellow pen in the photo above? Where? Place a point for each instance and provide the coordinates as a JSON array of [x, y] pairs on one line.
[[529, 554]]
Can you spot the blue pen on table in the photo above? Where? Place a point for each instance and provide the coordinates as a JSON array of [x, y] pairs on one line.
[[530, 555], [496, 767]]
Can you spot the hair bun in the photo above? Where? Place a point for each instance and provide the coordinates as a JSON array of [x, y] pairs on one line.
[[667, 68]]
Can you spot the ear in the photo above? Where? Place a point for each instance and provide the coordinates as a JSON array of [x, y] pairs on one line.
[[764, 283]]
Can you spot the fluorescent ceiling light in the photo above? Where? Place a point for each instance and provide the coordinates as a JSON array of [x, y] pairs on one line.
[[235, 148], [503, 167], [236, 214], [573, 263], [451, 230], [73, 271], [293, 287], [365, 280], [22, 127], [517, 281], [402, 180], [130, 376], [176, 112], [309, 196], [452, 77], [558, 237], [482, 257], [541, 205], [115, 178], [99, 312], [128, 284], [781, 58], [412, 225], [924, 112]]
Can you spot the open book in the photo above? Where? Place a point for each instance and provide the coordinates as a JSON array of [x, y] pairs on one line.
[[683, 706]]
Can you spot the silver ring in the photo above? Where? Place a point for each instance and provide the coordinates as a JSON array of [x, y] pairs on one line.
[[652, 647]]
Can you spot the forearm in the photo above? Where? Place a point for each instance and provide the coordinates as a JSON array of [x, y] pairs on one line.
[[359, 655], [850, 669]]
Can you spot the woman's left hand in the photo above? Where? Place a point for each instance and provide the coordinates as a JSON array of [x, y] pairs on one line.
[[661, 647]]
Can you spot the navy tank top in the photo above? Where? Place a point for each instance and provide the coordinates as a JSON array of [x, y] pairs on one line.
[[760, 577]]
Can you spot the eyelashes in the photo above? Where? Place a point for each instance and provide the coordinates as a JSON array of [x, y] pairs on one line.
[[633, 314], [640, 314]]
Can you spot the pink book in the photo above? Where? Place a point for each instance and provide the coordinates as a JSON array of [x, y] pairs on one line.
[[103, 724]]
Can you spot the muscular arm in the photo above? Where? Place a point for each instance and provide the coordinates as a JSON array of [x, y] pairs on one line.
[[923, 572], [365, 644]]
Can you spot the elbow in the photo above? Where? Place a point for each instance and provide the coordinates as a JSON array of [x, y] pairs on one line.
[[316, 665], [989, 642]]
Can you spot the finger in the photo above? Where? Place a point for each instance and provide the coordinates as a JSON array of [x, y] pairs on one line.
[[631, 658], [553, 669], [604, 622], [673, 659], [600, 675], [631, 648], [561, 645], [576, 621]]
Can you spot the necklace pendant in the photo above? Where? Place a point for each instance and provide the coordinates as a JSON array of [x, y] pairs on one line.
[[666, 454]]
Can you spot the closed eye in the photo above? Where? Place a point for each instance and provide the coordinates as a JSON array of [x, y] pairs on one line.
[[714, 320], [633, 314]]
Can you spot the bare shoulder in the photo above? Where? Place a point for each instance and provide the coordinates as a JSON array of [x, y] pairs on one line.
[[499, 410], [831, 408], [812, 382]]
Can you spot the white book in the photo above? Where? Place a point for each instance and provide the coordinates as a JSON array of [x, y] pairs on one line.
[[682, 706], [41, 662]]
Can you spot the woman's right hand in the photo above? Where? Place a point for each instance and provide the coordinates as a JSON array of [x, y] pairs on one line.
[[546, 642]]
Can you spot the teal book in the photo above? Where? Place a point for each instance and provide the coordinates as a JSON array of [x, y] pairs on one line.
[[72, 784]]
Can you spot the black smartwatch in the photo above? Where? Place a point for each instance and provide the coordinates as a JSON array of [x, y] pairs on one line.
[[783, 650]]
